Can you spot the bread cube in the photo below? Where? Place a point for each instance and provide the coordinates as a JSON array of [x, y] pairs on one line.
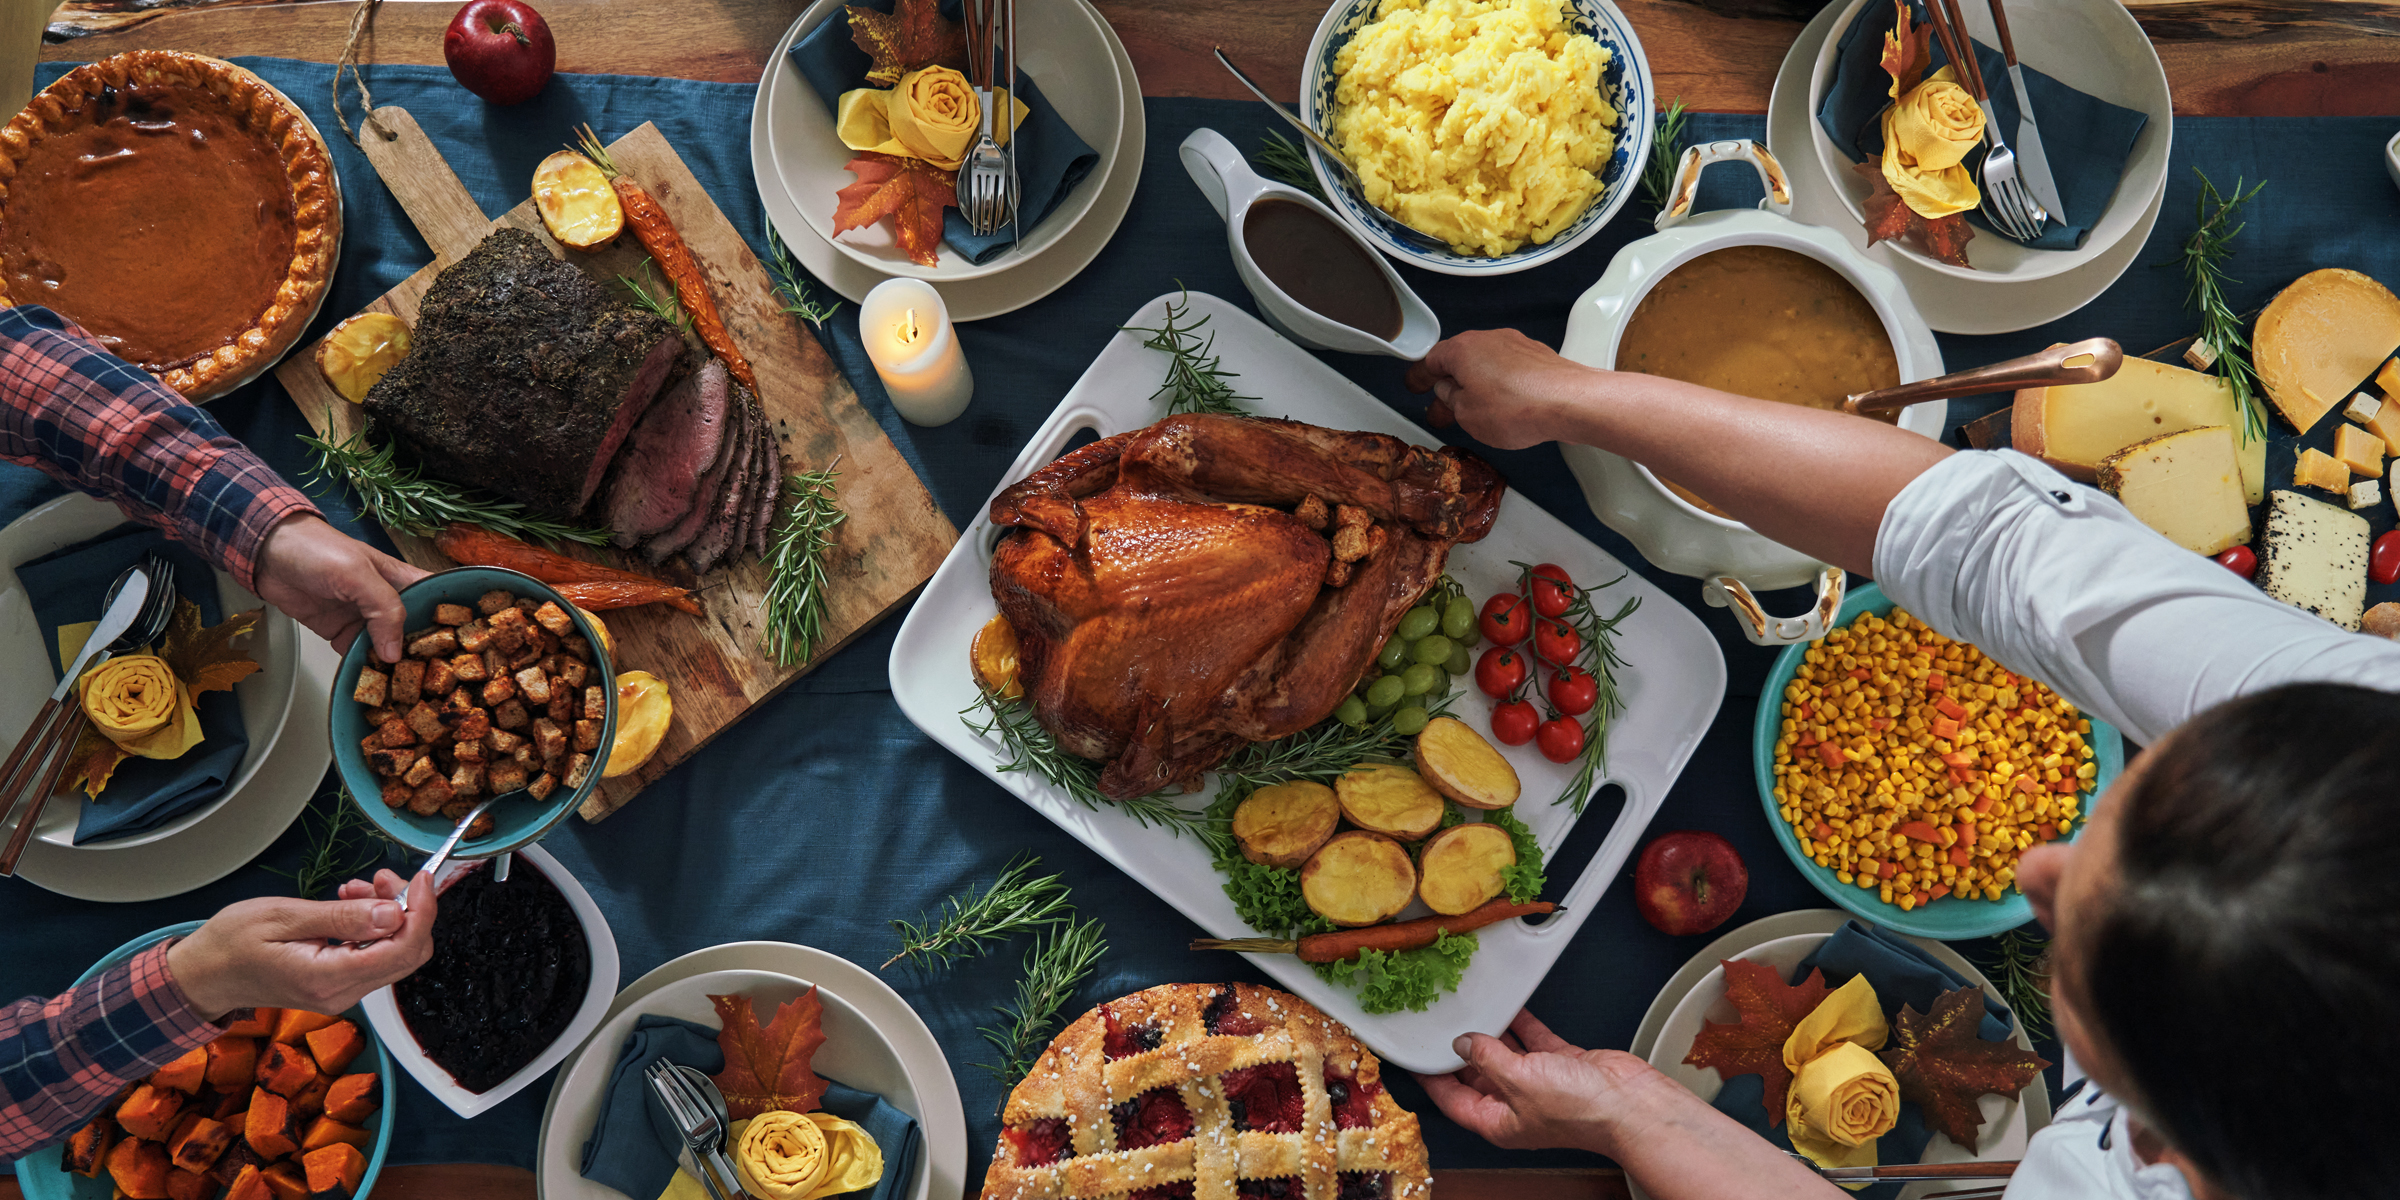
[[578, 768], [553, 618], [430, 798], [501, 742], [542, 786], [474, 636], [509, 629], [391, 761], [595, 702], [587, 735], [441, 643], [467, 780], [510, 714], [493, 601], [468, 668], [549, 740], [464, 751], [420, 771], [562, 704], [472, 725], [425, 721], [526, 604], [408, 683], [577, 645], [395, 732], [499, 691], [571, 672], [375, 717], [372, 685], [396, 793], [452, 614], [503, 777], [439, 678], [547, 640], [533, 685]]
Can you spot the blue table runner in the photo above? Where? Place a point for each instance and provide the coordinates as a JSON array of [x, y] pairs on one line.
[[826, 814]]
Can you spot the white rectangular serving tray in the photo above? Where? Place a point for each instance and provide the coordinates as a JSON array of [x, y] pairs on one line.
[[1674, 678]]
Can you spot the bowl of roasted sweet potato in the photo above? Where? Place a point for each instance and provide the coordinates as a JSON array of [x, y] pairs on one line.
[[503, 689], [283, 1105]]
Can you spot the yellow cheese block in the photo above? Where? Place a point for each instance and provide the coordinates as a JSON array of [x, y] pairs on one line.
[[2319, 338], [2360, 451], [2385, 423], [2389, 379], [2317, 469], [2186, 485], [2073, 427]]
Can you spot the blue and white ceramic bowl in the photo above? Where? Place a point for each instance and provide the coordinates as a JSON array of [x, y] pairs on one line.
[[1630, 90]]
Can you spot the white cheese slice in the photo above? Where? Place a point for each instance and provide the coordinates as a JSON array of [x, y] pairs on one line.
[[2366, 493], [2314, 556], [2186, 485], [2363, 408]]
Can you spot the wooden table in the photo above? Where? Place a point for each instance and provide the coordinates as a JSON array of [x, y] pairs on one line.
[[2223, 58]]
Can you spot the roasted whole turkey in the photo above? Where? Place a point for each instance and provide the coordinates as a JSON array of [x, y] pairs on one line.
[[1208, 581]]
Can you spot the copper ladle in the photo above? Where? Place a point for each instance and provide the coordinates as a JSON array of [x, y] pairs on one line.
[[2087, 361]]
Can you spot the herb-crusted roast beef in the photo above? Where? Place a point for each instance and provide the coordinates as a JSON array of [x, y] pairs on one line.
[[525, 376]]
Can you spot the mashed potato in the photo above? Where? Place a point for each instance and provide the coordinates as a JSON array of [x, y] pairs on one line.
[[1480, 122]]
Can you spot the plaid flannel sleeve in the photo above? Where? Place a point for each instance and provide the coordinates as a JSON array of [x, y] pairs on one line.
[[101, 425], [63, 1059]]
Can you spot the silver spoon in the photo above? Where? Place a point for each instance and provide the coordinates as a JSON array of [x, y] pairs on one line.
[[1340, 163]]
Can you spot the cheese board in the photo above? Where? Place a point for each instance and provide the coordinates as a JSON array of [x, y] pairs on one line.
[[1673, 681], [895, 535]]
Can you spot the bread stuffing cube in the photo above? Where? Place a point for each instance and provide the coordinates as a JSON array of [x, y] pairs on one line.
[[396, 732], [430, 798], [439, 678], [587, 735], [562, 704], [425, 721], [579, 646], [542, 786], [553, 618], [441, 643], [452, 614], [547, 640], [533, 685], [493, 601], [512, 714], [468, 668], [469, 751], [504, 777], [375, 717], [461, 698], [474, 636], [420, 771], [578, 768], [467, 779], [472, 726], [500, 742], [571, 672], [595, 702], [372, 685], [499, 690], [548, 739], [391, 761], [396, 793], [408, 683]]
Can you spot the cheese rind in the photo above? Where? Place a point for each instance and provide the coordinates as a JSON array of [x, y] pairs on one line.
[[2361, 452], [2319, 338], [2072, 427], [2317, 469], [2186, 485], [2314, 556]]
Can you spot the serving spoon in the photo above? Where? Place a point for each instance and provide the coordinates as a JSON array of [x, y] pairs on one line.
[[2088, 361], [1341, 163]]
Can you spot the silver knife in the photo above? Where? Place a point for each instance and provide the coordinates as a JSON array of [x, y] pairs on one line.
[[2033, 163], [113, 623]]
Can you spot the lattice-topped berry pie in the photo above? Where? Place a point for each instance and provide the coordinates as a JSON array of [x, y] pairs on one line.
[[1207, 1092]]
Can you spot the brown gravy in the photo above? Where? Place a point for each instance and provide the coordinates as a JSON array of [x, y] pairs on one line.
[[1317, 264], [1760, 321]]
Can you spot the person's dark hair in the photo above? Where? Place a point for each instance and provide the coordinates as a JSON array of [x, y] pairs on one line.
[[2246, 972]]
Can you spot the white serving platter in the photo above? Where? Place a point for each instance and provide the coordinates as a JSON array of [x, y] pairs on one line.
[[1673, 680]]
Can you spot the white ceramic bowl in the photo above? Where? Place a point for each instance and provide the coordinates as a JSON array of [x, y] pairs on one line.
[[1627, 81], [2096, 47], [384, 1014], [1062, 44]]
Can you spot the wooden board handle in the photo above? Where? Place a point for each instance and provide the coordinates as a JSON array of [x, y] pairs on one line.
[[428, 190]]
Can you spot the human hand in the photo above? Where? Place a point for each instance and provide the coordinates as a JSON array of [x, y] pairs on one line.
[[1506, 389], [283, 953], [1532, 1090], [334, 584]]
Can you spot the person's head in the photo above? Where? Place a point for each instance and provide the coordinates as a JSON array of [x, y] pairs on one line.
[[2227, 940]]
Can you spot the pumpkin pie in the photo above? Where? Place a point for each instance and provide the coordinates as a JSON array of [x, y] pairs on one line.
[[177, 207]]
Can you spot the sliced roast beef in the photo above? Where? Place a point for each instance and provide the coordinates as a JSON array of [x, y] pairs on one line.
[[658, 473], [524, 377], [710, 492], [770, 493], [729, 528]]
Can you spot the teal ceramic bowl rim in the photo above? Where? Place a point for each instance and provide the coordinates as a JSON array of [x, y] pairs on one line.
[[39, 1171], [1949, 918], [531, 822]]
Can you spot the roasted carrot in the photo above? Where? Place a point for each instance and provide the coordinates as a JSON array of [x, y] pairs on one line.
[[1404, 935], [475, 546], [599, 597], [651, 224]]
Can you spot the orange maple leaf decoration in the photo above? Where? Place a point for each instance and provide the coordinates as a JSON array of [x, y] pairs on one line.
[[1944, 1066], [1907, 50], [767, 1068], [911, 191], [913, 35], [1754, 1045], [1888, 216]]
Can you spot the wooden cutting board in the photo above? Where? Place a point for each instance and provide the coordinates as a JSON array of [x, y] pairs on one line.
[[895, 535]]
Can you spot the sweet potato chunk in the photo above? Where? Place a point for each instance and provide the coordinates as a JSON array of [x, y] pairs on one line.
[[198, 1141], [139, 1169], [325, 1131], [238, 1157], [335, 1045], [335, 1170], [252, 1022], [354, 1098], [86, 1151], [1282, 824], [269, 1127], [285, 1181], [249, 1185], [309, 1102], [232, 1062], [1460, 867], [185, 1074], [373, 686], [284, 1068], [452, 614], [1390, 800], [1358, 878], [150, 1112], [189, 1185], [1461, 765]]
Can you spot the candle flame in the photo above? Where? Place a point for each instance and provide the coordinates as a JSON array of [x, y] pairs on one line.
[[908, 326]]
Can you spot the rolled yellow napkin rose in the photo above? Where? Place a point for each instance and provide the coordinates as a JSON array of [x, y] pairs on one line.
[[865, 120], [934, 113], [1850, 1014], [1842, 1098], [137, 703], [803, 1156], [1926, 137]]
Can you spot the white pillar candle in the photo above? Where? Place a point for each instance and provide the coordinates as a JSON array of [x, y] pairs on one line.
[[908, 335]]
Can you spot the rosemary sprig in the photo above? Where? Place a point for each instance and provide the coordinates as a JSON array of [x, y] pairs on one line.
[[1032, 748], [1016, 901], [1598, 635], [1195, 382], [339, 845], [652, 295], [799, 298], [1666, 148], [1321, 754], [2021, 970], [1283, 159], [2204, 255], [404, 501], [1059, 961], [796, 583]]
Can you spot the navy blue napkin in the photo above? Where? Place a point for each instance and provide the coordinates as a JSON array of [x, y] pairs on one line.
[[1901, 974], [2087, 139], [65, 587], [633, 1146], [1051, 158]]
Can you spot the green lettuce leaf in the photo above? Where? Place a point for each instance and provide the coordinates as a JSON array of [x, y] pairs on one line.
[[1388, 982]]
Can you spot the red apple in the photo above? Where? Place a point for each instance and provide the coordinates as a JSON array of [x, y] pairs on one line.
[[1689, 881], [500, 50]]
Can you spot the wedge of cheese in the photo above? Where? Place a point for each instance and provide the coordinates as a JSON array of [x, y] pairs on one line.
[[2075, 426], [2319, 338], [2314, 556], [2186, 485]]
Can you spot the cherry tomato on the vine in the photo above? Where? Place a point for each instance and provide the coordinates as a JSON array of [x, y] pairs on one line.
[[2242, 561], [1553, 591], [1500, 671], [1556, 642], [1574, 691], [1560, 738], [1506, 619], [2383, 562], [1514, 723]]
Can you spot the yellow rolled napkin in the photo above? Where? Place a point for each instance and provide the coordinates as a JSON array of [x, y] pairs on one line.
[[932, 114], [137, 703], [1850, 1014], [793, 1156], [1839, 1103], [1926, 137]]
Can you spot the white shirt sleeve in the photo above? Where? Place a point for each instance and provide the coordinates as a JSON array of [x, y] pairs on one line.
[[2055, 580]]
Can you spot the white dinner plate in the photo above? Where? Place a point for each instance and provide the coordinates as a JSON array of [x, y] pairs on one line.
[[1697, 992], [873, 1041], [1111, 185], [1949, 305]]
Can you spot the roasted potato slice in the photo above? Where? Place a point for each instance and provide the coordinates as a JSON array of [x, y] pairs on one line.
[[1461, 765], [577, 204], [358, 351], [1460, 867], [644, 708], [1390, 800], [1358, 878], [1281, 825], [994, 656]]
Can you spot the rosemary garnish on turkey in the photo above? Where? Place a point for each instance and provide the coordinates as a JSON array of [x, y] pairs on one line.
[[1196, 380]]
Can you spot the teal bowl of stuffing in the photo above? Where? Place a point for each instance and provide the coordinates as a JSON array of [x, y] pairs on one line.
[[42, 1177], [1946, 918]]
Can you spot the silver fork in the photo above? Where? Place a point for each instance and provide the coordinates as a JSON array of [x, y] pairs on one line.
[[2005, 199], [698, 1125], [1008, 56], [983, 174]]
